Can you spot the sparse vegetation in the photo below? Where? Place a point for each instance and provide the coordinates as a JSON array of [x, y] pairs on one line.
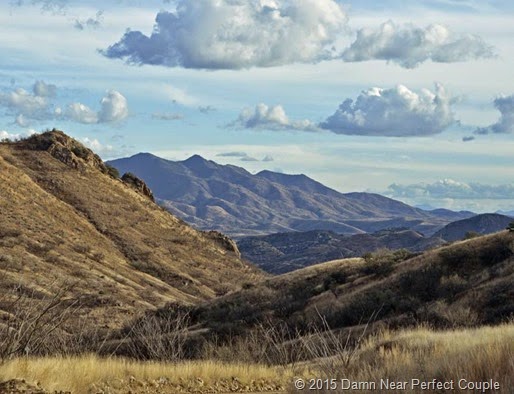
[[389, 314], [422, 353], [381, 263]]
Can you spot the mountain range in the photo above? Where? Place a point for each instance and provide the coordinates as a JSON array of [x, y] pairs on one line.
[[230, 199]]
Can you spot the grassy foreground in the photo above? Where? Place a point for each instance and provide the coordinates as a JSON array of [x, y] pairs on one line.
[[90, 374], [473, 354], [476, 355]]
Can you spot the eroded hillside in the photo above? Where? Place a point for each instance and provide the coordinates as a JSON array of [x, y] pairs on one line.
[[67, 223]]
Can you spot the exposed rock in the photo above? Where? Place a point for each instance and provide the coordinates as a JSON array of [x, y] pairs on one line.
[[138, 184], [224, 241], [65, 149]]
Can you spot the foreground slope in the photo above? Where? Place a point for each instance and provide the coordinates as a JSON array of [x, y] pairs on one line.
[[65, 223], [234, 201], [467, 283]]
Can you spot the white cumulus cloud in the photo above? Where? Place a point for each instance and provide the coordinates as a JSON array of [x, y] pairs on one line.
[[396, 112], [81, 113], [113, 108], [410, 45], [27, 106], [96, 146], [266, 117], [235, 34]]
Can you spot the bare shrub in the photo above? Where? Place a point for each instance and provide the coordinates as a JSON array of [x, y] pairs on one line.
[[161, 338], [32, 321]]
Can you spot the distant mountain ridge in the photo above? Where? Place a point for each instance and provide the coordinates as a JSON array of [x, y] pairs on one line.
[[230, 199], [486, 223], [285, 252]]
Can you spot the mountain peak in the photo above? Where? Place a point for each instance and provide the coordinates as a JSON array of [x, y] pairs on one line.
[[195, 159]]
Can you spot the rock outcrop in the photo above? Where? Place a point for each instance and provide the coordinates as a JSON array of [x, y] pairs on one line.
[[65, 149], [137, 184]]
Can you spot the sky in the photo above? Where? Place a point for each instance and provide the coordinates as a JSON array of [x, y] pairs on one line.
[[413, 100]]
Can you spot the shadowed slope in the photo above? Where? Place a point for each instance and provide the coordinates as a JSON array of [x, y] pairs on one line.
[[232, 200]]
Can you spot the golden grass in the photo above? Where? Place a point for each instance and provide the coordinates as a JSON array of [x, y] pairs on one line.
[[83, 374], [474, 354], [477, 354]]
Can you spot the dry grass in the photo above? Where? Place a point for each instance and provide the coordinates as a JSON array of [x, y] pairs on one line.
[[118, 249], [422, 353], [84, 374]]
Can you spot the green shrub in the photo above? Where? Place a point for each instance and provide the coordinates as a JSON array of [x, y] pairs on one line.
[[112, 171]]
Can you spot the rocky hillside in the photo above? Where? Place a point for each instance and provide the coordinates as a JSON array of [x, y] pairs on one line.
[[68, 223], [231, 200]]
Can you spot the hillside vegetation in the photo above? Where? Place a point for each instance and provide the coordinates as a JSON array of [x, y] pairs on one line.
[[68, 226], [285, 252], [476, 355], [465, 284]]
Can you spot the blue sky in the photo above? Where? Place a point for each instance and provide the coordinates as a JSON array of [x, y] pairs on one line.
[[413, 101]]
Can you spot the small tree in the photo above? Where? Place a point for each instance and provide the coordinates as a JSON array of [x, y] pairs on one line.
[[510, 227]]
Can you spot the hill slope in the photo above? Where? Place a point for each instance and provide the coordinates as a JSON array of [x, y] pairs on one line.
[[65, 223], [482, 224], [230, 199], [465, 284]]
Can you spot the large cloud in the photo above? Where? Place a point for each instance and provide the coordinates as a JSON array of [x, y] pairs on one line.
[[113, 108], [410, 45], [506, 122], [270, 118], [397, 112], [451, 189], [235, 34]]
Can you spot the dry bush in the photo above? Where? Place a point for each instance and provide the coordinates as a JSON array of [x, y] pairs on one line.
[[33, 320], [162, 338], [267, 343]]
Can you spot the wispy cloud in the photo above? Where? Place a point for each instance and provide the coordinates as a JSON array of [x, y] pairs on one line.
[[89, 23], [206, 109], [167, 116], [449, 188], [242, 156]]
